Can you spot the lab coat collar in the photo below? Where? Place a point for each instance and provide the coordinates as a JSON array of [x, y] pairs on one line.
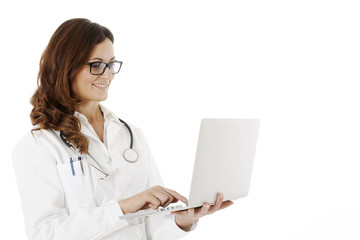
[[106, 113], [80, 116]]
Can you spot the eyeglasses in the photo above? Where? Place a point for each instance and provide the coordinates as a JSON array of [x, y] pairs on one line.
[[98, 68]]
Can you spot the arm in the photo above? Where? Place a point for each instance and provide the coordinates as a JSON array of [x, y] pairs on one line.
[[160, 226], [178, 223], [43, 199]]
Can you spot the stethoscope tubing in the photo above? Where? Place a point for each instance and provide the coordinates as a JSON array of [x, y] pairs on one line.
[[130, 131], [129, 154]]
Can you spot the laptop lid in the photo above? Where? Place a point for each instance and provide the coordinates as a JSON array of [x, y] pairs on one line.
[[224, 159]]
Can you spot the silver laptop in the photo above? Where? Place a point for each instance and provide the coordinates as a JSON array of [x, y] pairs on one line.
[[224, 160]]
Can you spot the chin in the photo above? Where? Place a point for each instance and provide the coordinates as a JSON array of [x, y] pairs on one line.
[[102, 98]]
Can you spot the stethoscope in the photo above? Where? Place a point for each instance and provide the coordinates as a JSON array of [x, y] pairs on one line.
[[129, 154]]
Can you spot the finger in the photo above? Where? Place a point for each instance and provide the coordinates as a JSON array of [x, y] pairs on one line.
[[204, 209], [226, 204], [154, 202], [219, 200], [218, 204], [170, 198], [176, 195], [187, 212], [164, 198], [191, 212]]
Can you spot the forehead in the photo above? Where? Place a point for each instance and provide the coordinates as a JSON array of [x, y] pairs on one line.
[[103, 51]]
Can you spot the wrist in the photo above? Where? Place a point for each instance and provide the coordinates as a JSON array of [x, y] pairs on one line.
[[122, 205], [183, 224]]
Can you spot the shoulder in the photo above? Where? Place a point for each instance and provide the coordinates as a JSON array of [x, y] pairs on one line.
[[34, 138], [137, 132], [29, 140], [34, 144]]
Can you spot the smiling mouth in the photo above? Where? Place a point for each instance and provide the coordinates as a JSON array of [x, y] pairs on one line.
[[100, 85]]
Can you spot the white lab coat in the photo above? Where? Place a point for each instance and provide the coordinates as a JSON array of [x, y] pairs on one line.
[[58, 205]]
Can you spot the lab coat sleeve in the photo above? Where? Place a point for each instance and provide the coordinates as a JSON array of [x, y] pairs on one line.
[[43, 199], [160, 227]]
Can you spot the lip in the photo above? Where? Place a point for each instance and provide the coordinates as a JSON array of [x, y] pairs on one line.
[[101, 86]]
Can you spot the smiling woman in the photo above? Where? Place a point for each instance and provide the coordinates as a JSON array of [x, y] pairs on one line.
[[92, 81], [74, 179], [57, 97]]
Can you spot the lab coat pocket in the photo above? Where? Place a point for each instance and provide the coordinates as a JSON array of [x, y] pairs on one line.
[[76, 181]]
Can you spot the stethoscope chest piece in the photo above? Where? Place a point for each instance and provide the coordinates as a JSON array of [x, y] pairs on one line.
[[130, 155]]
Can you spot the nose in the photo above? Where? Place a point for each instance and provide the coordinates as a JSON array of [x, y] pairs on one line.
[[107, 74]]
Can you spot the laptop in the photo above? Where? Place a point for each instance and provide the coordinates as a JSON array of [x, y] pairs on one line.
[[223, 163]]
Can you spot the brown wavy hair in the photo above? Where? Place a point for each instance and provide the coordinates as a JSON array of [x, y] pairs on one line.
[[54, 100]]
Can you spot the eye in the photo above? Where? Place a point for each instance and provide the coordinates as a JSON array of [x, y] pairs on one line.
[[112, 64], [97, 65]]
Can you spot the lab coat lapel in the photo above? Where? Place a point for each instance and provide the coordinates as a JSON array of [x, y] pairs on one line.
[[104, 188], [96, 148], [113, 129], [118, 139]]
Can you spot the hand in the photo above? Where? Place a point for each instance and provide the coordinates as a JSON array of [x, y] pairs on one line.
[[152, 198], [185, 219]]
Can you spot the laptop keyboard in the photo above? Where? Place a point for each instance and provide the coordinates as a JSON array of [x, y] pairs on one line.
[[150, 211]]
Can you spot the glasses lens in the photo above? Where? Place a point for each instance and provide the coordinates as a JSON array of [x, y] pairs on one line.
[[114, 67], [97, 68]]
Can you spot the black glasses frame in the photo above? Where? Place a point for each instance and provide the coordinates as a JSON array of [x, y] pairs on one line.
[[107, 65]]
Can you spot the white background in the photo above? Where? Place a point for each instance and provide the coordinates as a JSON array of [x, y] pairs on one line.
[[293, 64]]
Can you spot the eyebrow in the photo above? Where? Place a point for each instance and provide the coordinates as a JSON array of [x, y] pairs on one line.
[[101, 59]]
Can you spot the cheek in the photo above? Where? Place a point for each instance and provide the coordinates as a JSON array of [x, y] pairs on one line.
[[82, 82]]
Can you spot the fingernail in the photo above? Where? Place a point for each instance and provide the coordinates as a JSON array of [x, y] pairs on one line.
[[221, 195]]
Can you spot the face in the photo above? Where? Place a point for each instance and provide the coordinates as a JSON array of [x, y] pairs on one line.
[[90, 87]]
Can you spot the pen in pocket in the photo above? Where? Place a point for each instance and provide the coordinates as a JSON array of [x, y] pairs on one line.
[[72, 166], [81, 165]]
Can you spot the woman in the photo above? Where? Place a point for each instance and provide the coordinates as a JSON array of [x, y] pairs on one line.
[[74, 179]]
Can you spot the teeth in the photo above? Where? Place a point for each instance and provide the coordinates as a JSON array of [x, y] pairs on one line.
[[100, 85]]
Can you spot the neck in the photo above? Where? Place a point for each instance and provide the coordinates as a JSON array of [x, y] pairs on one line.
[[91, 110]]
